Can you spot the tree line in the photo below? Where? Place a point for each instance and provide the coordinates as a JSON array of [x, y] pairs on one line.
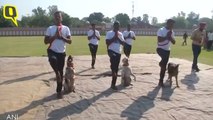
[[42, 18]]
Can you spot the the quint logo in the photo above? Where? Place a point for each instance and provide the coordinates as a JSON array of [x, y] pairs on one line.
[[10, 12]]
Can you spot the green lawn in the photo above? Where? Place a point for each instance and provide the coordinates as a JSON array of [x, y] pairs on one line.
[[34, 46]]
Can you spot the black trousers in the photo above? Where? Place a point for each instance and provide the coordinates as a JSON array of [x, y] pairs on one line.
[[164, 54], [114, 61], [57, 61], [196, 52], [127, 49], [93, 50]]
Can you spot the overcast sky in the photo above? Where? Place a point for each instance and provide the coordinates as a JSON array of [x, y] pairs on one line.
[[162, 9]]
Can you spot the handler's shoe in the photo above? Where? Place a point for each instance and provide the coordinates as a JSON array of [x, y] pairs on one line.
[[197, 69], [59, 95], [114, 87], [161, 84]]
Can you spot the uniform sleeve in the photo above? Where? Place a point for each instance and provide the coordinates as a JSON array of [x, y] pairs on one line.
[[48, 32], [133, 34], [68, 33], [160, 33], [173, 34], [98, 34], [121, 37], [89, 33], [108, 36]]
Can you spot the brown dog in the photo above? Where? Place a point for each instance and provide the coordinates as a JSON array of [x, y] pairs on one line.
[[126, 73], [173, 72], [69, 85]]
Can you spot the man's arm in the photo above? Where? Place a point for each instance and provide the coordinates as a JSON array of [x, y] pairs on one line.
[[89, 37], [48, 39], [97, 37], [161, 39], [121, 41], [172, 40], [67, 39], [110, 41], [133, 36]]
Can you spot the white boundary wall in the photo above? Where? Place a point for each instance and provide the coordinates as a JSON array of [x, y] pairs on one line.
[[78, 31]]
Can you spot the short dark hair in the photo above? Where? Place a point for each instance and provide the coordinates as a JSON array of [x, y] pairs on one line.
[[57, 12], [202, 23], [170, 21], [116, 23], [92, 24]]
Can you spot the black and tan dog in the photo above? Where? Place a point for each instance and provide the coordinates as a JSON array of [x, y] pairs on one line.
[[69, 84], [173, 72]]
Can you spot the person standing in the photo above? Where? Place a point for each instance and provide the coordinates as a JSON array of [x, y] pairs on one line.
[[129, 36], [165, 37], [93, 37], [114, 41], [210, 40], [185, 36], [198, 37], [57, 36]]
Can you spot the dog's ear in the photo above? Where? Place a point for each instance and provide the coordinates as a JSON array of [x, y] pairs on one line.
[[69, 58], [169, 65], [177, 66]]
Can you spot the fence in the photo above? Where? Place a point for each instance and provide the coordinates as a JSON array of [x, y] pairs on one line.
[[79, 31]]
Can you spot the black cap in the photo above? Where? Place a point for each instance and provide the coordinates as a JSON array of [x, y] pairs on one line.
[[170, 21]]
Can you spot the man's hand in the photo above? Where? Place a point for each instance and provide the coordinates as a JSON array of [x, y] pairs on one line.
[[169, 35]]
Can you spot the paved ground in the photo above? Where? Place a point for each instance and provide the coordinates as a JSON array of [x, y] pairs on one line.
[[94, 100]]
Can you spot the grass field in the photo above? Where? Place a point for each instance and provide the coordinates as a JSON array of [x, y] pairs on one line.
[[34, 46]]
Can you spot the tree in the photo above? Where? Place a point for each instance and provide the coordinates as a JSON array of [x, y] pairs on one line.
[[154, 21], [25, 21], [39, 12], [52, 9], [182, 14], [192, 19], [146, 18], [107, 20], [40, 18], [85, 19], [123, 18], [96, 17], [76, 22], [136, 20], [208, 21], [180, 22], [66, 20]]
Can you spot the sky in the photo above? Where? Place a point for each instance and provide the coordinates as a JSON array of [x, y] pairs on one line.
[[162, 9]]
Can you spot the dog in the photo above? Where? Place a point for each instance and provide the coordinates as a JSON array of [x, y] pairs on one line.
[[173, 72], [126, 73], [69, 84]]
